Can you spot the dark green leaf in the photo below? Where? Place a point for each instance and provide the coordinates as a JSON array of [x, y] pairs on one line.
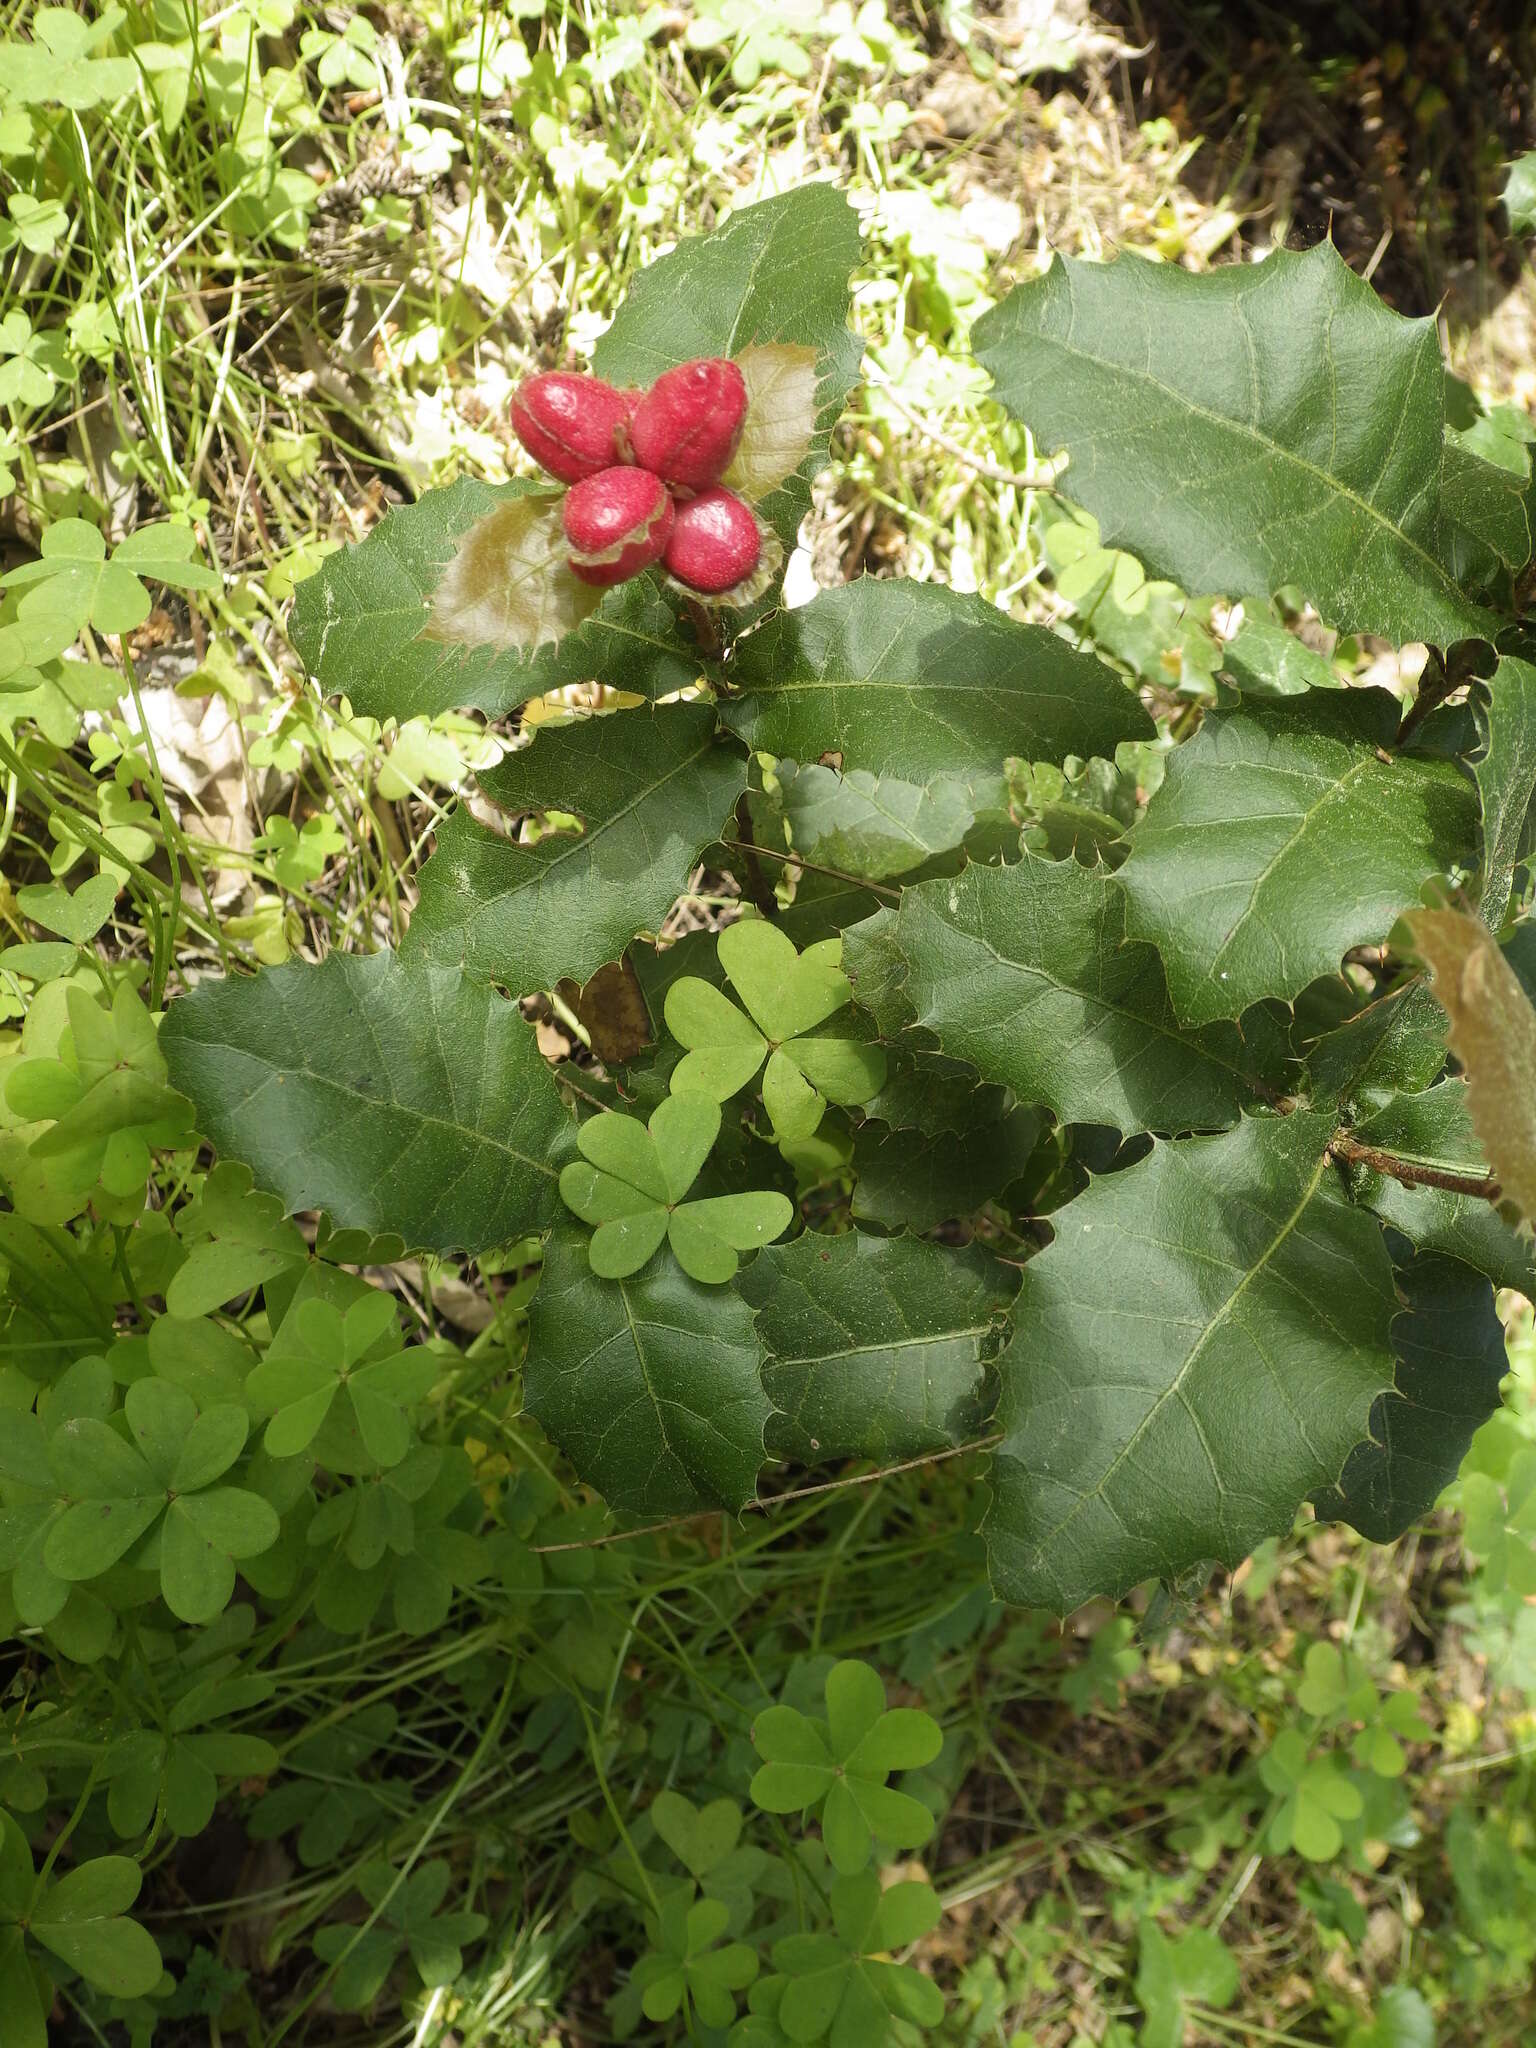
[[915, 1180], [912, 680], [1213, 435], [1024, 973], [651, 788], [1451, 1359], [649, 1385], [1281, 837], [876, 1346], [1196, 1353], [395, 1094]]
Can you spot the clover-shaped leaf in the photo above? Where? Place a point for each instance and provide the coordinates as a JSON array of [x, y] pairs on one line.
[[73, 579], [1171, 1975], [158, 1493], [787, 995], [1316, 1796], [408, 1918], [62, 66], [330, 1379], [840, 1983], [79, 1919], [631, 1182], [698, 1836], [841, 1765], [687, 1965]]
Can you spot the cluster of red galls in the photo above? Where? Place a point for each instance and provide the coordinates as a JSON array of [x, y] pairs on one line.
[[644, 470]]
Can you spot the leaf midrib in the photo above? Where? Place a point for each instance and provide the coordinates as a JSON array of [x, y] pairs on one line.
[[1218, 1321]]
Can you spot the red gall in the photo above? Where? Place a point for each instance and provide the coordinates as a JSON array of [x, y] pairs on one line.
[[568, 422], [617, 522]]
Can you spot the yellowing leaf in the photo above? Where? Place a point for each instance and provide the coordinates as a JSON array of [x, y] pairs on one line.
[[781, 417], [509, 584], [1493, 1034]]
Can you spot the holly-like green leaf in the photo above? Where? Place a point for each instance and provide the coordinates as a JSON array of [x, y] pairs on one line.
[[1493, 1034], [1395, 1045], [1282, 835], [919, 682], [876, 1346], [1195, 1354], [392, 1093], [649, 1385], [365, 625], [652, 789], [1505, 772], [910, 1179], [1024, 973], [773, 273], [1214, 437], [868, 825], [1451, 1360]]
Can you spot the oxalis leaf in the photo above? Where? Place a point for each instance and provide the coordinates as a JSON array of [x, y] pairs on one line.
[[632, 1181], [424, 616], [651, 789], [915, 681], [877, 1346], [1284, 834], [773, 275], [392, 1093], [788, 996], [649, 1384], [1023, 971], [1493, 1034], [1195, 1354], [1212, 436]]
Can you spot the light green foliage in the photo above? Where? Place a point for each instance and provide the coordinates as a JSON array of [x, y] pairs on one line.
[[787, 996], [633, 1183], [1173, 1975], [407, 1917], [77, 1919], [157, 1497], [838, 1767]]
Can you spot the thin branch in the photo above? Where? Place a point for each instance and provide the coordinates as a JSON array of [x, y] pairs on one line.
[[798, 860], [1413, 1173], [762, 1507], [1022, 480]]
